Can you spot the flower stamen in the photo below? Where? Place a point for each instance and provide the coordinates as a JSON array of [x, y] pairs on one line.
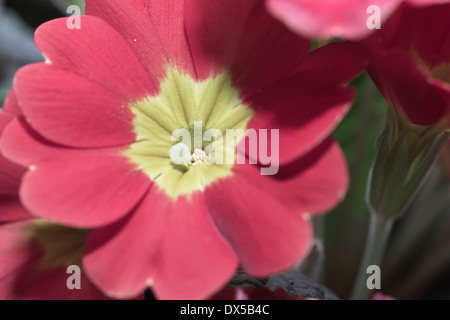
[[199, 156]]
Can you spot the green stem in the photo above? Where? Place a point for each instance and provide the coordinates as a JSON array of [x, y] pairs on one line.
[[379, 231]]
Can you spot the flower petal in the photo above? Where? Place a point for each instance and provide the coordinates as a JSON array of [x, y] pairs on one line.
[[85, 190], [10, 173], [16, 252], [194, 261], [426, 2], [10, 176], [397, 75], [413, 33], [333, 65], [268, 236], [153, 29], [318, 181], [72, 110], [5, 119], [10, 105], [117, 68], [11, 209], [329, 18], [307, 106], [137, 238], [314, 183], [169, 252], [306, 119], [242, 36], [21, 144]]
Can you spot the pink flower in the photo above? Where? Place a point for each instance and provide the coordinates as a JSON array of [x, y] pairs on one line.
[[10, 173], [335, 18], [410, 64], [96, 136], [26, 269], [30, 269]]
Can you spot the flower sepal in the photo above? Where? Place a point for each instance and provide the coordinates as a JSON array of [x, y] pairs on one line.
[[405, 154]]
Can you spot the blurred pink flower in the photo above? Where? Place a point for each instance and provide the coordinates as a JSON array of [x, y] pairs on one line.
[[410, 63], [335, 18], [22, 275]]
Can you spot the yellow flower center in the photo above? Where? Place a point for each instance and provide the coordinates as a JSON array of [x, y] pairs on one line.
[[203, 110]]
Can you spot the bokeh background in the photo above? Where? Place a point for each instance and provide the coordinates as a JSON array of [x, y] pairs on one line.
[[417, 262]]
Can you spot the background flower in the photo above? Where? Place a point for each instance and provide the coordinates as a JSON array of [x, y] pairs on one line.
[[412, 54], [23, 276], [329, 18]]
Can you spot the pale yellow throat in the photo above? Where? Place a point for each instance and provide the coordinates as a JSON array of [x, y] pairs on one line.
[[184, 104]]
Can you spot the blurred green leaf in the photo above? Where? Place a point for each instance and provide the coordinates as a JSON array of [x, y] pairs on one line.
[[346, 226]]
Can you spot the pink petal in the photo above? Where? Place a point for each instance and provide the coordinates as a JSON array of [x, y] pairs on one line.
[[10, 173], [426, 2], [333, 65], [193, 260], [97, 52], [153, 29], [329, 18], [302, 127], [21, 144], [5, 119], [414, 29], [20, 276], [304, 120], [172, 246], [397, 75], [242, 37], [10, 105], [116, 179], [11, 209], [10, 176], [315, 183], [268, 236], [85, 190], [136, 238], [72, 110], [16, 249], [308, 106]]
